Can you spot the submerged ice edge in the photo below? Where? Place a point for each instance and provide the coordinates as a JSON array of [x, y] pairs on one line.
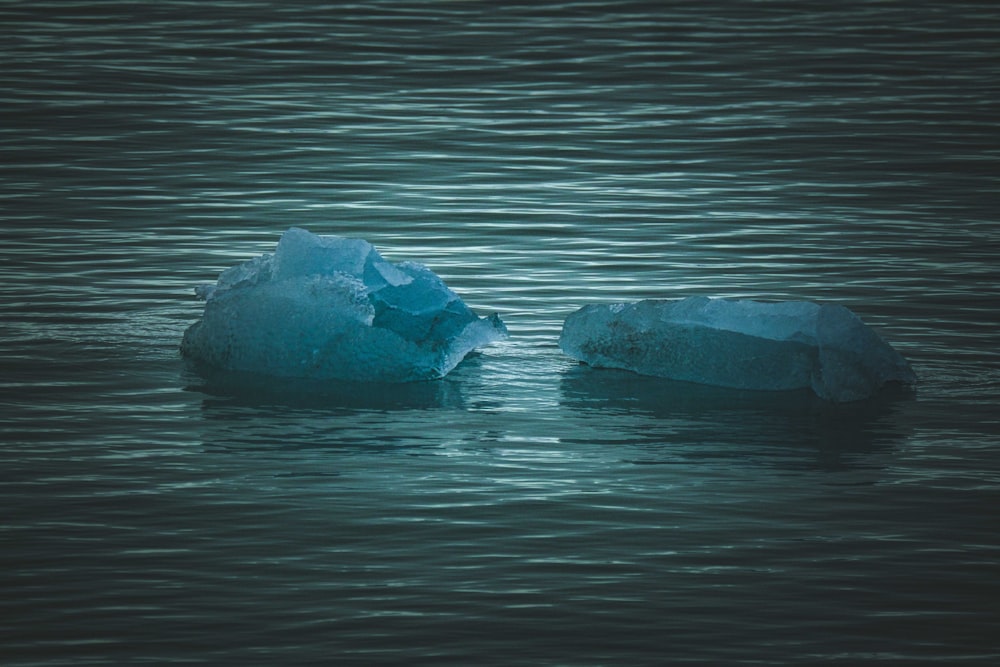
[[741, 344], [331, 307]]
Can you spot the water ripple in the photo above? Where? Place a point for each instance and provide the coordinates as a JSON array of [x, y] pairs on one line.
[[537, 156]]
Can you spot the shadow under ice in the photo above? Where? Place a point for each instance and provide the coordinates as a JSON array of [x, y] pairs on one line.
[[251, 390], [718, 421]]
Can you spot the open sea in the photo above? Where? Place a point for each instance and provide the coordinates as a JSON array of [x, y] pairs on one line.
[[525, 510]]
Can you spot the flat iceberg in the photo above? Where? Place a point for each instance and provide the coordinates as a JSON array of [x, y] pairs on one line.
[[332, 307], [739, 344]]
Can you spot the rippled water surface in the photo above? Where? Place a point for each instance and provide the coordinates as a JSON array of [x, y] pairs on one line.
[[524, 510]]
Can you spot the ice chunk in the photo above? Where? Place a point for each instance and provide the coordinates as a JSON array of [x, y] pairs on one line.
[[740, 344], [332, 307]]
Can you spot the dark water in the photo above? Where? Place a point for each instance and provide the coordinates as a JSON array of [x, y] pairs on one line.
[[524, 510]]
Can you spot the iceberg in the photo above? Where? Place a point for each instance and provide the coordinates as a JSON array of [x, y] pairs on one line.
[[740, 344], [330, 307]]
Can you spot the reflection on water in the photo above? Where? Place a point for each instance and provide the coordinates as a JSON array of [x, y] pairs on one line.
[[249, 390], [736, 422]]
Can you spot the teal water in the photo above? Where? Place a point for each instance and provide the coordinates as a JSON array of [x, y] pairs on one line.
[[524, 510]]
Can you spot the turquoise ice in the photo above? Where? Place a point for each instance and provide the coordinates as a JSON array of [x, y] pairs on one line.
[[332, 307], [740, 344]]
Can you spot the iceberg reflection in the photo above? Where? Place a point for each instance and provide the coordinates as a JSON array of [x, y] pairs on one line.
[[694, 418]]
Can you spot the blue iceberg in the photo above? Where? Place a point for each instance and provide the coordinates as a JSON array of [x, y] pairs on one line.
[[332, 307], [739, 344]]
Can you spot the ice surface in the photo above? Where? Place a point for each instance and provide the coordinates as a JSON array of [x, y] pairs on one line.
[[740, 344], [332, 307]]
